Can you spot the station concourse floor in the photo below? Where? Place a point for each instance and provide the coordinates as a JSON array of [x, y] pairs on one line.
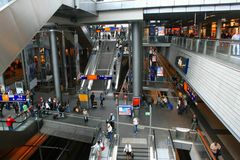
[[162, 120]]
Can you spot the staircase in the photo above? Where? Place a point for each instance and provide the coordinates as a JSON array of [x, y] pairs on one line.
[[140, 153]]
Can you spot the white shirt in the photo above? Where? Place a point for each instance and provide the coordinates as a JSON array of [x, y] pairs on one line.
[[135, 121], [235, 37], [109, 128], [128, 148]]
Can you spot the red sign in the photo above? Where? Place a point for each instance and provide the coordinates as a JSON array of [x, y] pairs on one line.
[[136, 102]]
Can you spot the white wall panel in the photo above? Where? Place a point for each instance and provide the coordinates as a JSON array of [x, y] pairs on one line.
[[217, 84]]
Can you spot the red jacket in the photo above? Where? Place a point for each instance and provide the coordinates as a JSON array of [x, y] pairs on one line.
[[10, 121]]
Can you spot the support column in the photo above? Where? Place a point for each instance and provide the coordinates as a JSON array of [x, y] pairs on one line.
[[55, 64], [219, 26], [199, 31], [2, 86], [137, 55], [25, 76], [64, 61]]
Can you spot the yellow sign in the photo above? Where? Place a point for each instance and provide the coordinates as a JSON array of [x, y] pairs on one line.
[[83, 97], [5, 98]]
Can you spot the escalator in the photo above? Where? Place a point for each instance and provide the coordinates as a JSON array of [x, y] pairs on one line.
[[60, 148], [104, 64], [183, 154], [123, 72]]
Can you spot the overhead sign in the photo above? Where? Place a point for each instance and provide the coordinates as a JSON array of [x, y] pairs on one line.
[[83, 97], [12, 98], [95, 77], [125, 110]]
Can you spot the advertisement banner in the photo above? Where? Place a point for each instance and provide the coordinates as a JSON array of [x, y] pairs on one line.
[[160, 71], [161, 31], [125, 110]]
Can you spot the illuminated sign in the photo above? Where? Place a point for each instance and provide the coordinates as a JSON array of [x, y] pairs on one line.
[[125, 110], [136, 102], [159, 71], [12, 98], [95, 77]]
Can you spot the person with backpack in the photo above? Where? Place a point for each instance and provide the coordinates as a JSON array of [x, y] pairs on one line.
[[128, 150]]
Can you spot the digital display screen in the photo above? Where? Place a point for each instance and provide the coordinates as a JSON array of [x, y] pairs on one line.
[[125, 110]]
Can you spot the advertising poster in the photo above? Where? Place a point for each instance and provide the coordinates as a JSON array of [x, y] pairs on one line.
[[160, 71], [125, 110], [161, 31]]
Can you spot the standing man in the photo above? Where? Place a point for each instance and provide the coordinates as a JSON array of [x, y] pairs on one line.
[[25, 110], [194, 122], [92, 97], [9, 122], [236, 37], [135, 123], [101, 99]]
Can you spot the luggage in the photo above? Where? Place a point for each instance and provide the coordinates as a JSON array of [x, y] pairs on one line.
[[55, 116], [95, 104]]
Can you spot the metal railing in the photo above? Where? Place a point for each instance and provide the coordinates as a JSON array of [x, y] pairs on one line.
[[196, 138], [222, 49], [157, 39], [20, 120], [112, 152]]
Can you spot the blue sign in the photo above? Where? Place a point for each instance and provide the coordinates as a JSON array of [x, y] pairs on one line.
[[182, 63], [15, 98], [99, 77]]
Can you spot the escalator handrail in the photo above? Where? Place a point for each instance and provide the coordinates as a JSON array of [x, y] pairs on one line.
[[205, 144], [97, 60], [173, 146], [154, 143]]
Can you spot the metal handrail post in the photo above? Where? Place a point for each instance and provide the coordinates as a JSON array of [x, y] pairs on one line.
[[205, 47]]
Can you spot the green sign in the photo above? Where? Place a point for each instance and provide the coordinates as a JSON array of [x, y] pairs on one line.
[[147, 113]]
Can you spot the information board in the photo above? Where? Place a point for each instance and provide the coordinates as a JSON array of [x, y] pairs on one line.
[[12, 98], [96, 77]]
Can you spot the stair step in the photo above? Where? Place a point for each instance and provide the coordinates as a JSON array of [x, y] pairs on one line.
[[145, 148], [135, 150], [135, 153], [135, 158]]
